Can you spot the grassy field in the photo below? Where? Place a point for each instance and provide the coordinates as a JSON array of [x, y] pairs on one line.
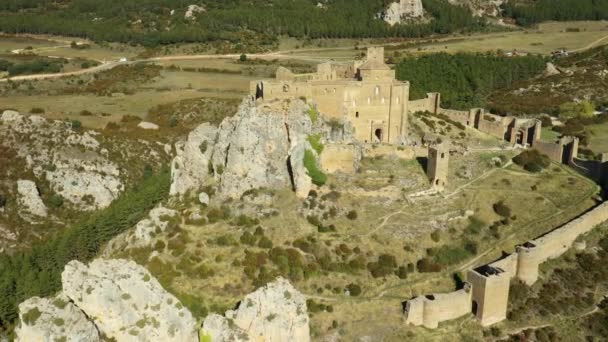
[[598, 138]]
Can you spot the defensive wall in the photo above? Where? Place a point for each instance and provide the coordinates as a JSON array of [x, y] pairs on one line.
[[511, 129], [488, 285]]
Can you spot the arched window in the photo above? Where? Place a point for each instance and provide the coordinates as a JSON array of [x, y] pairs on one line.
[[357, 114]]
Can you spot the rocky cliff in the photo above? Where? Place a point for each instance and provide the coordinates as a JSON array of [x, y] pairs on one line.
[[262, 146], [120, 300], [397, 12], [117, 299], [274, 313]]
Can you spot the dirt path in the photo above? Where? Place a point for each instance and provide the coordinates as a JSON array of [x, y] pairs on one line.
[[591, 45]]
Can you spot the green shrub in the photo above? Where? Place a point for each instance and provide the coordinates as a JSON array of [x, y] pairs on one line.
[[436, 236], [532, 160], [313, 114], [315, 142], [243, 58], [401, 272], [37, 110], [502, 209], [310, 162], [450, 255], [56, 201], [353, 289], [426, 265], [2, 201], [76, 125], [30, 317], [265, 243], [352, 215]]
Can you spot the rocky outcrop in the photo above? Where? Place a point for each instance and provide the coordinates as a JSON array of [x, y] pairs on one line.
[[190, 168], [551, 70], [274, 313], [156, 222], [262, 146], [73, 162], [54, 319], [29, 200], [403, 10], [126, 303], [255, 148], [192, 11]]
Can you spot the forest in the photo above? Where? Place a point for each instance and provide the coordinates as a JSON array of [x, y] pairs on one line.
[[157, 22], [37, 271], [529, 13], [465, 80]]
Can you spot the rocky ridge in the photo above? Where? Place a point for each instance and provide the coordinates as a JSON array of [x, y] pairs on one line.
[[120, 300], [274, 313], [262, 146]]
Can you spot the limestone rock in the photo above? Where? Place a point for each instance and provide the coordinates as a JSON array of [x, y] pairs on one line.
[[190, 167], [255, 147], [29, 200], [403, 9], [203, 198], [156, 221], [54, 319], [274, 313], [192, 11], [10, 116], [147, 125], [551, 70], [126, 303]]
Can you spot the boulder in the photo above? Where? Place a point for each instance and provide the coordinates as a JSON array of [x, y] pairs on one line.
[[203, 198], [11, 116], [147, 125], [192, 11], [551, 70], [29, 200], [190, 167], [126, 303], [53, 319], [274, 313]]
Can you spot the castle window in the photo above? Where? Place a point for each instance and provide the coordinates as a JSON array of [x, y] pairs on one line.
[[442, 155], [357, 114]]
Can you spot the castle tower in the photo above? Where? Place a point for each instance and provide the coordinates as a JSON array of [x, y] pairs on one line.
[[490, 294], [437, 165]]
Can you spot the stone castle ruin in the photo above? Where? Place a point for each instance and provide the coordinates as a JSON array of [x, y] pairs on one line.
[[486, 291], [364, 93]]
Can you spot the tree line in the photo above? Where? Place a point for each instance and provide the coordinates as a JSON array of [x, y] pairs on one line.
[[157, 22], [464, 80], [37, 271], [529, 13]]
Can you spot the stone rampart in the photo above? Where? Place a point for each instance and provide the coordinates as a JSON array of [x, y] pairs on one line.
[[340, 158], [489, 284], [430, 310]]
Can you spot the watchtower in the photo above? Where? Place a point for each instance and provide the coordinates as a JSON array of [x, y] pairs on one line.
[[437, 165]]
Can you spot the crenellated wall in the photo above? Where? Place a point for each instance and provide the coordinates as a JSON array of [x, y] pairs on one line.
[[489, 284], [430, 310]]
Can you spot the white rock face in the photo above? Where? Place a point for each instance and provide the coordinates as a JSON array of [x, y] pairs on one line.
[[274, 313], [192, 11], [29, 200], [157, 220], [190, 168], [147, 125], [72, 162], [254, 148], [126, 303], [551, 70], [203, 198], [404, 9], [57, 319]]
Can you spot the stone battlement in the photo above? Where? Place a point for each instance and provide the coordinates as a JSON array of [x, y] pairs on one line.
[[489, 284]]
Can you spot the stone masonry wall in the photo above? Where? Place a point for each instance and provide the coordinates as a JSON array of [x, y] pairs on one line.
[[489, 284]]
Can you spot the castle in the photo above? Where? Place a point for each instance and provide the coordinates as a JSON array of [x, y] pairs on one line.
[[366, 93]]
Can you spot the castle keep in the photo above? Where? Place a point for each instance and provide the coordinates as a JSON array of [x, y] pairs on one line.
[[364, 93]]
